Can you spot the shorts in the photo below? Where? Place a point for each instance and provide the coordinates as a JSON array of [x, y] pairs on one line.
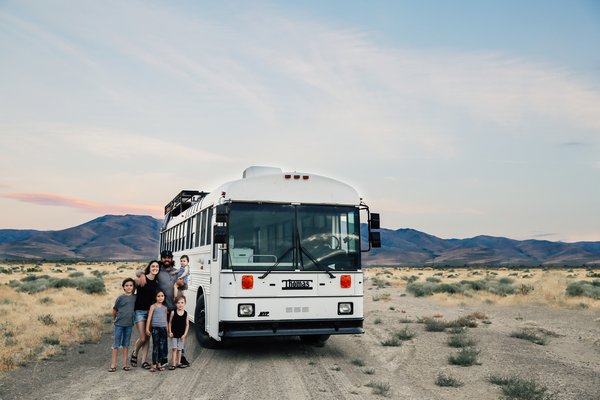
[[177, 343], [122, 337], [140, 315]]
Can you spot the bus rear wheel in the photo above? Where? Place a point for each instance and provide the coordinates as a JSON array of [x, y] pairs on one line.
[[315, 340], [200, 323]]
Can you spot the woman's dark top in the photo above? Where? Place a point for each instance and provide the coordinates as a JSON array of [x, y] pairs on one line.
[[178, 324], [145, 295]]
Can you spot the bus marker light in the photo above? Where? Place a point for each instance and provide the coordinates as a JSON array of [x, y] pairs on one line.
[[245, 310], [346, 281], [288, 176], [296, 176], [247, 281], [345, 308], [305, 177]]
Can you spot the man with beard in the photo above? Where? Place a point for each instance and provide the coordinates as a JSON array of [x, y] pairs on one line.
[[166, 279]]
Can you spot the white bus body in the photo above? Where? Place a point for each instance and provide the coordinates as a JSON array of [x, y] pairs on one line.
[[272, 254]]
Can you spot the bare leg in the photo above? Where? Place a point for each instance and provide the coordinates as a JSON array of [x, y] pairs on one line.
[[141, 342], [174, 357], [125, 354], [113, 361]]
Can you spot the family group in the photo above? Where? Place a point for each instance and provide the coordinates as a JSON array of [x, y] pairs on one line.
[[153, 302]]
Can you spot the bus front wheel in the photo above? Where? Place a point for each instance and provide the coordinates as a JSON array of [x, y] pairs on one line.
[[200, 323], [315, 340]]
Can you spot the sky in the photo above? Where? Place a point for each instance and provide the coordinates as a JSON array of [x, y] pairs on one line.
[[455, 118]]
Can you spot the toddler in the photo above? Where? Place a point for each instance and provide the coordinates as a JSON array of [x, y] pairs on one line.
[[181, 277]]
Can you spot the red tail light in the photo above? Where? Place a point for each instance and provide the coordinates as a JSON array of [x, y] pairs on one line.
[[346, 281], [247, 281]]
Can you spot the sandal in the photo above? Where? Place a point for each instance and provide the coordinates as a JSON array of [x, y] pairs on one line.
[[152, 369], [146, 365], [126, 368], [112, 369], [133, 360], [161, 368], [171, 367]]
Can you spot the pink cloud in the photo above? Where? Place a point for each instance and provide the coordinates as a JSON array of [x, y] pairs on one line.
[[50, 199]]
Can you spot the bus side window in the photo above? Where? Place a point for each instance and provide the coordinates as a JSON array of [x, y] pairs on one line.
[[203, 229], [209, 226]]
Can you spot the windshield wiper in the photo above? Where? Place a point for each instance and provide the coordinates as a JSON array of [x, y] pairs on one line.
[[314, 261], [272, 267]]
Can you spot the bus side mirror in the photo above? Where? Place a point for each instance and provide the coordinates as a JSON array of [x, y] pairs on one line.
[[374, 220], [221, 213], [220, 234], [375, 239]]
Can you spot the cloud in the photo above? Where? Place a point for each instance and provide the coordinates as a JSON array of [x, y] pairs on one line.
[[545, 235], [575, 144], [57, 200], [104, 142]]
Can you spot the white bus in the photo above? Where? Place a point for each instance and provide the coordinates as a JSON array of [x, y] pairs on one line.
[[272, 254]]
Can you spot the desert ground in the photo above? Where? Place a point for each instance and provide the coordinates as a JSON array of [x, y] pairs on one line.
[[55, 342]]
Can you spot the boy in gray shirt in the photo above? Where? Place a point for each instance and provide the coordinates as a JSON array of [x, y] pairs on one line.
[[122, 312]]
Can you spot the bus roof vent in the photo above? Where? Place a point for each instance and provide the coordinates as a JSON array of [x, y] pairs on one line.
[[254, 171]]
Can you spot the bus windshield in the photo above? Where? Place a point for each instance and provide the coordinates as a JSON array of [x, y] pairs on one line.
[[287, 237]]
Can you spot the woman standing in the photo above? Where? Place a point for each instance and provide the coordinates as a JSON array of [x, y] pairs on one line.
[[146, 292]]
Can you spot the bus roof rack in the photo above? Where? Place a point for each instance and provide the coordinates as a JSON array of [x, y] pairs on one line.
[[183, 201]]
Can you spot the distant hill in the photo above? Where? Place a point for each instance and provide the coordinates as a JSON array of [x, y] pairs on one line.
[[112, 237], [135, 237], [411, 247]]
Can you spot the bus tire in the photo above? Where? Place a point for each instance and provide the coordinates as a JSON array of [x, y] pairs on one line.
[[200, 324], [315, 340]]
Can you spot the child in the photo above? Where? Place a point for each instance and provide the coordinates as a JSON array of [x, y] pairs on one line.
[[122, 313], [157, 320], [178, 329], [182, 274]]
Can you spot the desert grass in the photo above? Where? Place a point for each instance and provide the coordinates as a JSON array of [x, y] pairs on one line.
[[515, 388], [405, 334], [535, 335], [465, 357], [391, 342], [37, 324], [444, 380], [359, 362], [460, 340], [540, 286], [379, 388]]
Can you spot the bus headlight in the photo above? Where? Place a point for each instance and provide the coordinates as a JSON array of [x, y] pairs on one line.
[[245, 310], [345, 308]]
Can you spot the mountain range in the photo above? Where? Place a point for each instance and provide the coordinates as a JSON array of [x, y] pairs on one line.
[[111, 237], [135, 237], [411, 247]]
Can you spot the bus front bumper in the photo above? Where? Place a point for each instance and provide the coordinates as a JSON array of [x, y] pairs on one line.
[[290, 327]]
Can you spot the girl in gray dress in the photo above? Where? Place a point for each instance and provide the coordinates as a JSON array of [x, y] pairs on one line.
[[156, 325]]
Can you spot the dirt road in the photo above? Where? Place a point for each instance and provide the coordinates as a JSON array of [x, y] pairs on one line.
[[568, 365]]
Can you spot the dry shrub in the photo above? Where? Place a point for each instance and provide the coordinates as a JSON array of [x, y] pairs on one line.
[[532, 286], [78, 316]]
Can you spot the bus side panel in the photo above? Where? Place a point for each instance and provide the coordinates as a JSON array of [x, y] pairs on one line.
[[199, 281]]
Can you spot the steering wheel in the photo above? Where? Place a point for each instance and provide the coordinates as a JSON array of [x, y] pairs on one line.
[[336, 242]]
